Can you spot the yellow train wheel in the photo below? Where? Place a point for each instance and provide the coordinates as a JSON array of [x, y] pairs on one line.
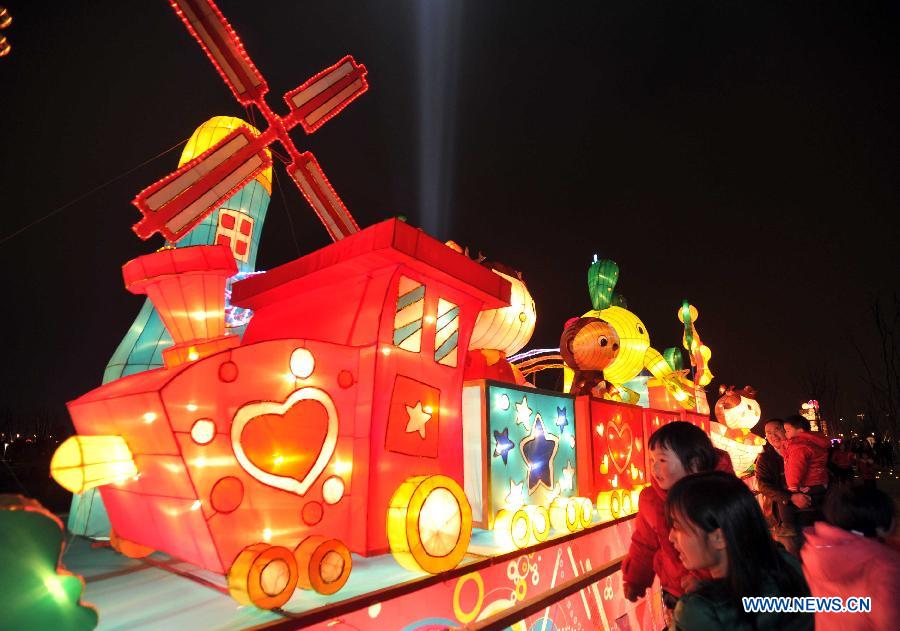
[[615, 504], [564, 514], [429, 524], [627, 507], [262, 575], [585, 511], [540, 522], [129, 548], [324, 564], [513, 526]]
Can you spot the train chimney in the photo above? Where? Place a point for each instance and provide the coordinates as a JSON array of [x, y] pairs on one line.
[[187, 287]]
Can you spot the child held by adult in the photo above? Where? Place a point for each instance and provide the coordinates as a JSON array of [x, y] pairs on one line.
[[846, 555], [717, 526], [676, 450], [805, 472]]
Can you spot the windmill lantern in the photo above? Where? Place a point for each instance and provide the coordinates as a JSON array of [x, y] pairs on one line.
[[178, 202]]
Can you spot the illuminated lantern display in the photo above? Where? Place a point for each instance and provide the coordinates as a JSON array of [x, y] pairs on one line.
[[587, 346], [612, 459], [699, 354], [520, 451], [602, 278], [86, 462], [237, 223], [328, 409], [737, 412], [38, 591], [635, 352], [500, 333], [178, 202]]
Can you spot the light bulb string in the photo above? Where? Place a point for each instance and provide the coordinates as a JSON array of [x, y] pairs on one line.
[[89, 193]]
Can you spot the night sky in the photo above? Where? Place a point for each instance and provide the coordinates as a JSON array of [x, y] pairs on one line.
[[743, 155]]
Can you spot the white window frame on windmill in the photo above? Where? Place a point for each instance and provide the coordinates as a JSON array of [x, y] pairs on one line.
[[234, 234]]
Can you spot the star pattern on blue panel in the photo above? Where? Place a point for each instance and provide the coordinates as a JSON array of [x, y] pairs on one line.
[[539, 450], [504, 444], [561, 418]]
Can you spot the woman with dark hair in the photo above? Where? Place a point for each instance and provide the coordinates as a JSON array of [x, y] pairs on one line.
[[717, 525], [847, 557]]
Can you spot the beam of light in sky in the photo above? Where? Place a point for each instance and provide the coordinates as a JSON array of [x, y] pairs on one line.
[[438, 43]]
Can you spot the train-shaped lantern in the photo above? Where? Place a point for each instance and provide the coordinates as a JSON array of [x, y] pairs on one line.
[[334, 426], [343, 422]]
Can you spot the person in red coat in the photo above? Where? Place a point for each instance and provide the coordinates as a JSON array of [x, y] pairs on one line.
[[845, 555], [842, 459], [805, 473], [867, 468], [805, 456], [676, 450]]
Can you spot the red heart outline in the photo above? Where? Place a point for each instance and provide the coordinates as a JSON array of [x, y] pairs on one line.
[[252, 411], [622, 433]]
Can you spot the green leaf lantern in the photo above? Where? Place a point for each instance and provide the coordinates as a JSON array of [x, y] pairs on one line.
[[38, 592], [602, 278], [674, 358]]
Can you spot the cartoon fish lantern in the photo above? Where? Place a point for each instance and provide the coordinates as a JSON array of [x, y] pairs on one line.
[[635, 352], [588, 345], [737, 412], [499, 333]]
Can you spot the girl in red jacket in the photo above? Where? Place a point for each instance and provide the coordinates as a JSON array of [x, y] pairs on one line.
[[676, 450], [846, 556]]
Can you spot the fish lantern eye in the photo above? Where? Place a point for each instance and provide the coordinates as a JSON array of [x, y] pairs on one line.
[[522, 316], [603, 341], [640, 329]]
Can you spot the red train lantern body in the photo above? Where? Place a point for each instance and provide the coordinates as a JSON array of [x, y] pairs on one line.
[[347, 384]]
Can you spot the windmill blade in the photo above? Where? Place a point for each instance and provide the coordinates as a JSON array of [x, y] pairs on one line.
[[317, 190], [177, 203], [323, 96], [224, 48]]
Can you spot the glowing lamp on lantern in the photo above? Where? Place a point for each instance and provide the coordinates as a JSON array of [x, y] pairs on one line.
[[738, 409], [507, 329], [86, 462], [187, 287]]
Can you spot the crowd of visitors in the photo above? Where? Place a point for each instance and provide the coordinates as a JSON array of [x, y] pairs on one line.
[[811, 530]]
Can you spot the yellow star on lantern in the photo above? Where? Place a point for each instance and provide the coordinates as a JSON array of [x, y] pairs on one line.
[[523, 412], [417, 419]]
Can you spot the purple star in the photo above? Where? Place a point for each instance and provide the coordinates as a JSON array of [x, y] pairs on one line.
[[561, 418], [538, 450], [504, 444]]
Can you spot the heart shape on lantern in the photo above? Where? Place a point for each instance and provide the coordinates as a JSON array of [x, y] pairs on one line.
[[286, 445], [619, 441]]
